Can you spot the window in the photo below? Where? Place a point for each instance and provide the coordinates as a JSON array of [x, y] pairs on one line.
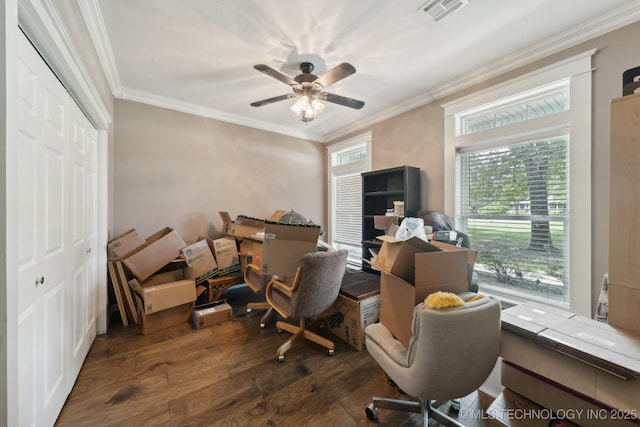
[[517, 181], [347, 160]]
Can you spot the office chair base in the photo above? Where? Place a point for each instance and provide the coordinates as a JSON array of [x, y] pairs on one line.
[[261, 306], [299, 332], [424, 407]]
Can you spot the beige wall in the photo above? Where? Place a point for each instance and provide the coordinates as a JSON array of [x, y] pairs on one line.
[[416, 138], [179, 170]]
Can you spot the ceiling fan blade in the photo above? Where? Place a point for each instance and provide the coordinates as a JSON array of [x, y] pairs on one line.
[[336, 74], [275, 74], [342, 100], [272, 100]]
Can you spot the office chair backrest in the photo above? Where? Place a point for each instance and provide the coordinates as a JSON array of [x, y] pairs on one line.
[[322, 274], [454, 350]]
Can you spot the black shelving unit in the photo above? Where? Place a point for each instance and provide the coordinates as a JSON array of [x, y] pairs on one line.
[[379, 190]]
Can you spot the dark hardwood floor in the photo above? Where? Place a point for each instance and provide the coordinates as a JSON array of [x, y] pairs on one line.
[[228, 375]]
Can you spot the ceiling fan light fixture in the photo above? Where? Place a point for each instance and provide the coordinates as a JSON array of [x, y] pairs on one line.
[[305, 109]]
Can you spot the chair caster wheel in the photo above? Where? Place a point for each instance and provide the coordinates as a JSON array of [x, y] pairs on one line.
[[281, 358], [262, 325], [249, 310], [331, 352], [455, 405], [371, 411], [279, 330]]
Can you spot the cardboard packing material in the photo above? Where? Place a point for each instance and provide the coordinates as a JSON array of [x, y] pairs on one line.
[[284, 244], [159, 250], [200, 260], [212, 313], [124, 244], [412, 269], [225, 251]]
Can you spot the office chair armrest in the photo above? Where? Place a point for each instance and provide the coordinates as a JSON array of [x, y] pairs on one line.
[[285, 287], [379, 336]]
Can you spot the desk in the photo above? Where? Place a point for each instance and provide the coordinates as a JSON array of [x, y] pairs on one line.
[[218, 285]]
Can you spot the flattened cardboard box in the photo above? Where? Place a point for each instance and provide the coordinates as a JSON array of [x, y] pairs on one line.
[[160, 249], [284, 245], [210, 314], [126, 243]]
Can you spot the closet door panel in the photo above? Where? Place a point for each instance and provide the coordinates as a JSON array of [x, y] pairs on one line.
[[28, 356], [83, 236], [43, 134]]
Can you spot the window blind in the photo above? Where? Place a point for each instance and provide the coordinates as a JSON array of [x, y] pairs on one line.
[[515, 207]]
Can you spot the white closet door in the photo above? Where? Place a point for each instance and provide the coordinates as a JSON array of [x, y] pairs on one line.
[[43, 241], [83, 295]]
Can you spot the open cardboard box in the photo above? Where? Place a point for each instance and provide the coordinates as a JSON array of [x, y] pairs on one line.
[[244, 226], [160, 249], [412, 269], [124, 244], [284, 244]]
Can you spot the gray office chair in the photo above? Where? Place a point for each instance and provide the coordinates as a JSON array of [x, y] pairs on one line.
[[312, 291], [438, 364]]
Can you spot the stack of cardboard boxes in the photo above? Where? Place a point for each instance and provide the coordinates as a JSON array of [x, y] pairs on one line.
[[412, 269], [164, 275]]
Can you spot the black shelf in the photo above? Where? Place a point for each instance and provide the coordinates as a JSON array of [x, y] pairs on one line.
[[379, 190]]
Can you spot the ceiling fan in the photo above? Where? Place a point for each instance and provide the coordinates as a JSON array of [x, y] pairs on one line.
[[310, 89]]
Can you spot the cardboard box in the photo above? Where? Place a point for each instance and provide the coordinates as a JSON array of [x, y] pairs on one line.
[[126, 243], [162, 297], [242, 226], [348, 317], [159, 250], [225, 251], [200, 261], [154, 322], [210, 314], [284, 245], [411, 270], [245, 226]]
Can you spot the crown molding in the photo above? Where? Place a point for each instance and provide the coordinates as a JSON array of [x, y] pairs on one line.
[[41, 22], [92, 15], [596, 27], [199, 110], [617, 18]]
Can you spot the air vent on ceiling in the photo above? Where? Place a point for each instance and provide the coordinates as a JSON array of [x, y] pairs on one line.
[[439, 9]]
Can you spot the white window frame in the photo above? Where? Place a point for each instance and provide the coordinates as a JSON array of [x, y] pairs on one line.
[[363, 165], [578, 121]]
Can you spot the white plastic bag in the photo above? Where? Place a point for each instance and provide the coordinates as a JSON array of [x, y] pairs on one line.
[[411, 227]]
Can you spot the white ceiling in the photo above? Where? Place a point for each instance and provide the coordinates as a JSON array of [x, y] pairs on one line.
[[197, 56]]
